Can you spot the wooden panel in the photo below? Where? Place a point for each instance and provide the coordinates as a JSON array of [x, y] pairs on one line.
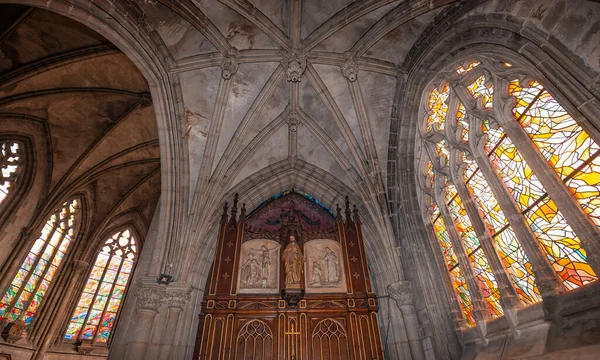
[[261, 326]]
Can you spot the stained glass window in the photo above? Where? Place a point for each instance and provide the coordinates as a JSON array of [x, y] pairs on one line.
[[438, 107], [569, 149], [479, 88], [11, 161], [557, 238], [561, 140], [456, 275], [25, 293], [462, 70], [509, 248], [483, 273], [95, 314]]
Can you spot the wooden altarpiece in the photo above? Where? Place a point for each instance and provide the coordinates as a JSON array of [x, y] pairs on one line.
[[250, 311]]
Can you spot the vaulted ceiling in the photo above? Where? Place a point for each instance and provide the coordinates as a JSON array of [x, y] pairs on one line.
[[280, 94], [87, 106]]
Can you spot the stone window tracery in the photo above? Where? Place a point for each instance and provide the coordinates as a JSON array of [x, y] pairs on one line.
[[27, 289], [96, 311], [11, 166], [474, 167]]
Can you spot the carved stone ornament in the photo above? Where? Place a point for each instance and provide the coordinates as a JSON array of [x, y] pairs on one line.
[[293, 123], [294, 65], [350, 70], [229, 67], [13, 332], [401, 291], [177, 299], [150, 297]]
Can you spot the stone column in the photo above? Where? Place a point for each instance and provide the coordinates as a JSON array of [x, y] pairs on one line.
[[176, 301], [401, 293], [149, 299]]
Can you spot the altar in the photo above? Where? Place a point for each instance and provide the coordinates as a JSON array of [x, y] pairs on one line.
[[289, 281]]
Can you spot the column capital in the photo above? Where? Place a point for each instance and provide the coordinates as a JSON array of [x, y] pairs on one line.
[[177, 298], [401, 292], [150, 297]]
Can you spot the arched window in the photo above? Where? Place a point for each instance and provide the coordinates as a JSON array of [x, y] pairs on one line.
[[25, 293], [11, 165], [489, 139], [95, 314]]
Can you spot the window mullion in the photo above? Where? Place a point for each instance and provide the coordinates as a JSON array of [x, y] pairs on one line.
[[480, 312], [447, 282], [32, 269], [112, 288], [587, 232], [42, 276], [91, 308], [545, 276], [508, 294]]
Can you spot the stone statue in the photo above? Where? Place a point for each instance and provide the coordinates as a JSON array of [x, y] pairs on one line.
[[293, 260]]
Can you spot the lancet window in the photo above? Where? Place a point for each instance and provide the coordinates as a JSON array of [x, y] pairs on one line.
[[487, 133], [11, 166], [98, 306], [35, 275]]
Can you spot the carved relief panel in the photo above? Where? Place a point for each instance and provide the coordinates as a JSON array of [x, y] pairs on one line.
[[258, 271], [324, 267]]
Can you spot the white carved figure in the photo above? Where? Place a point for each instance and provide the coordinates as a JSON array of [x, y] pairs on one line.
[[325, 267], [251, 272], [331, 275], [258, 267]]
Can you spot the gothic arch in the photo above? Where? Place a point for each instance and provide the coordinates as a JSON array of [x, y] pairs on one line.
[[145, 48], [560, 70], [329, 340], [258, 334]]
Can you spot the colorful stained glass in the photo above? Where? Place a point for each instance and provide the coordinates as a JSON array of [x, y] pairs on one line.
[[108, 319], [442, 150], [79, 315], [556, 237], [438, 108], [72, 331], [566, 146], [462, 70], [479, 88], [97, 272], [462, 122], [483, 273], [101, 296], [103, 334], [91, 286], [458, 280], [85, 300], [509, 248], [94, 317], [113, 304]]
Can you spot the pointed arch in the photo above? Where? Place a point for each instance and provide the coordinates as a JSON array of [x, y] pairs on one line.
[[34, 277], [96, 312]]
